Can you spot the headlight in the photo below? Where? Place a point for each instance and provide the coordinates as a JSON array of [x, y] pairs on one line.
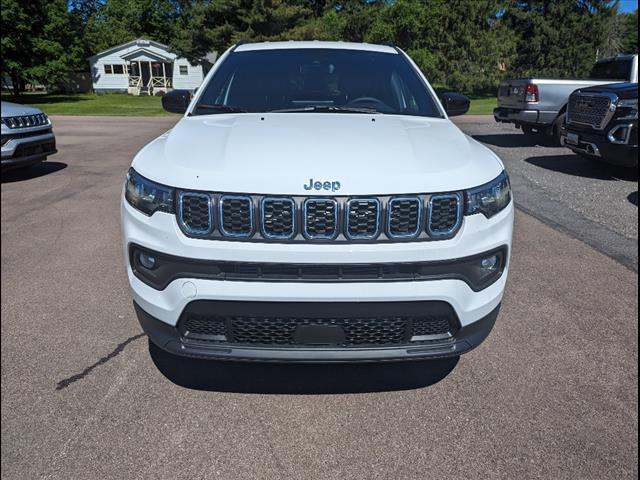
[[628, 109], [147, 196], [490, 198]]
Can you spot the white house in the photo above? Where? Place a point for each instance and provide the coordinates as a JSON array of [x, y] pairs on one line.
[[145, 67]]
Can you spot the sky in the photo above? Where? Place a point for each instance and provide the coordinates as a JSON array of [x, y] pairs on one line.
[[628, 5]]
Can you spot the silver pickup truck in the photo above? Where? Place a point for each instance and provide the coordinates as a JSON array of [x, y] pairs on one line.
[[538, 105]]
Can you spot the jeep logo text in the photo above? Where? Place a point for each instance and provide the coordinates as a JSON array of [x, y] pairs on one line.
[[317, 185]]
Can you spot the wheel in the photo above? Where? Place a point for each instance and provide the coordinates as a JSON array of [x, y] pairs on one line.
[[556, 130]]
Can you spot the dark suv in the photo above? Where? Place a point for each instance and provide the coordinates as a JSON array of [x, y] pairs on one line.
[[602, 123]]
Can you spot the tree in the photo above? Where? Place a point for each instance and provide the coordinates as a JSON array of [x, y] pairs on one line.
[[558, 38], [630, 34], [111, 22], [39, 42], [216, 25]]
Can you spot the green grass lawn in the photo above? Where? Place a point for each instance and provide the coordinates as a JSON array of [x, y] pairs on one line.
[[129, 105], [92, 104], [483, 105]]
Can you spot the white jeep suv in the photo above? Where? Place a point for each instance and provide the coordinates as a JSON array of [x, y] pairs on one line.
[[316, 204]]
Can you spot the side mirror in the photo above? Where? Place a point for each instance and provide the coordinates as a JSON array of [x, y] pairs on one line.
[[455, 103], [176, 101]]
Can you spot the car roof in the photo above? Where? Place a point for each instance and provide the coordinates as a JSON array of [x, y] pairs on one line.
[[621, 56], [288, 45]]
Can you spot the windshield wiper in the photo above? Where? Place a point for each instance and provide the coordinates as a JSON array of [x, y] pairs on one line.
[[221, 108], [325, 108]]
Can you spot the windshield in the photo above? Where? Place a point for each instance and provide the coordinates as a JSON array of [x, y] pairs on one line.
[[612, 70], [325, 80]]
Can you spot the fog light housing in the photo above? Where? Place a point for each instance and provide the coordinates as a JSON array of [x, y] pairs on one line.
[[620, 134], [147, 261], [490, 264]]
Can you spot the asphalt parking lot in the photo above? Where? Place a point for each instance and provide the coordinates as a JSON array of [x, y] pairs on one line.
[[552, 393]]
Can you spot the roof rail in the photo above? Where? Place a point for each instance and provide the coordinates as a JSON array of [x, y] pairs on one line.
[[242, 41]]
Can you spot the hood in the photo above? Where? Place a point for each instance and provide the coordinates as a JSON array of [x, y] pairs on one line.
[[622, 90], [10, 109], [281, 153]]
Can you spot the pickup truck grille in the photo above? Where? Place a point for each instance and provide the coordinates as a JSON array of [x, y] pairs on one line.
[[26, 121], [304, 219], [589, 109]]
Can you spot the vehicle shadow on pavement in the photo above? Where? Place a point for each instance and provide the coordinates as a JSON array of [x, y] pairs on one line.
[[633, 198], [35, 171], [299, 379], [515, 140], [576, 165]]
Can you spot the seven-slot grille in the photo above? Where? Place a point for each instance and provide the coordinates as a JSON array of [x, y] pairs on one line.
[[444, 214], [320, 218], [592, 110], [236, 216], [25, 121], [363, 218], [413, 217]]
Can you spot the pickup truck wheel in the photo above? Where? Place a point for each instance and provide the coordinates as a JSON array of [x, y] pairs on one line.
[[556, 130]]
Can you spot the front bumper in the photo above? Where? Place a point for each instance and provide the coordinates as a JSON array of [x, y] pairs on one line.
[[161, 308], [597, 145], [534, 118], [20, 151], [170, 339]]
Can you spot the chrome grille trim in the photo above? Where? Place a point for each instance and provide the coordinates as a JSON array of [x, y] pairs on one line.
[[263, 223], [221, 203], [459, 214], [305, 223], [347, 219], [180, 211], [260, 221], [26, 121], [418, 223]]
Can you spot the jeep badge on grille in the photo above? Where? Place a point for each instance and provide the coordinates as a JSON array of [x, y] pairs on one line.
[[334, 186]]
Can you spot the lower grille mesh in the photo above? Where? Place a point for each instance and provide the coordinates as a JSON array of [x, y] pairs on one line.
[[281, 330]]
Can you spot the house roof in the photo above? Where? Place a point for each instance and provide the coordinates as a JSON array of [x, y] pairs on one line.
[[146, 53], [141, 42]]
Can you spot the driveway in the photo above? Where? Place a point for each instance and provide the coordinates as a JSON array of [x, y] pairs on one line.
[[552, 393]]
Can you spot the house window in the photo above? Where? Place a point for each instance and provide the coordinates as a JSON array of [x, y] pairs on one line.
[[184, 70], [117, 69]]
